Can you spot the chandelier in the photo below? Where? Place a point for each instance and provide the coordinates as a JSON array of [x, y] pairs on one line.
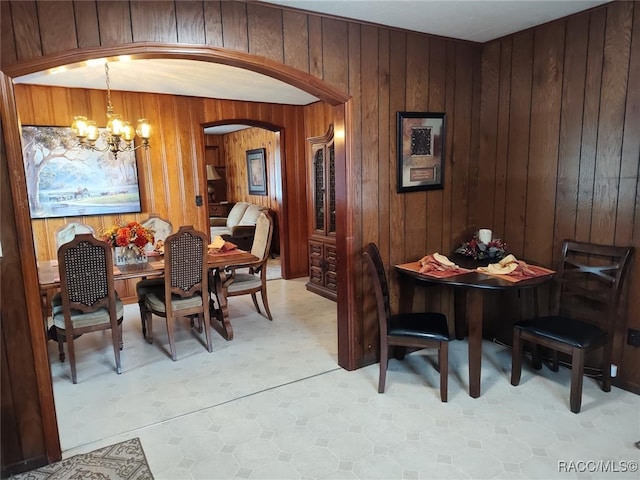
[[119, 135]]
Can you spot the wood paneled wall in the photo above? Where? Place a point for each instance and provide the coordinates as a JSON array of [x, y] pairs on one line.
[[172, 172], [560, 145], [236, 145], [523, 115]]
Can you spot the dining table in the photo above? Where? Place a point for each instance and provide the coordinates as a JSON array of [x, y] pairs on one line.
[[469, 286], [49, 279]]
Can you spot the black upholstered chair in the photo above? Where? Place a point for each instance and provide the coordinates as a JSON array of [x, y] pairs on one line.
[[416, 330], [585, 306], [184, 292], [87, 301]]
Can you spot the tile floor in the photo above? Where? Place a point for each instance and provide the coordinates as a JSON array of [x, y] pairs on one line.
[[273, 404]]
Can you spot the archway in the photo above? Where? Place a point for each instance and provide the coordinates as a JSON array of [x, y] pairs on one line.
[[302, 80]]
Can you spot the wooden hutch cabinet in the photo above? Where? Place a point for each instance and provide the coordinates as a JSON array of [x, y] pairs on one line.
[[323, 278]]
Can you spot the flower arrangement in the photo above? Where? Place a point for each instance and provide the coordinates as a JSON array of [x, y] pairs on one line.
[[131, 234], [495, 249]]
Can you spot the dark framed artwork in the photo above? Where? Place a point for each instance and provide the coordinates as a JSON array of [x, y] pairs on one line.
[[67, 180], [257, 171], [421, 141]]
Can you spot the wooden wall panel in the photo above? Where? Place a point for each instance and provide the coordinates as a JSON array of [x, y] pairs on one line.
[[58, 30], [572, 157], [234, 26], [546, 100], [7, 41], [213, 23], [86, 17], [236, 145], [115, 22], [190, 22], [153, 21], [332, 50], [296, 40], [25, 30], [265, 32]]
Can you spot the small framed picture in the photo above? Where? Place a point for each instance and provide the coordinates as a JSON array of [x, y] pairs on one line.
[[257, 171], [421, 157]]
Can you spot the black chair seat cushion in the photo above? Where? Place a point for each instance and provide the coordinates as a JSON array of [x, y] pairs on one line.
[[430, 325], [569, 331]]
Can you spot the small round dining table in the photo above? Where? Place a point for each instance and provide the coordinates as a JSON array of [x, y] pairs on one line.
[[469, 288]]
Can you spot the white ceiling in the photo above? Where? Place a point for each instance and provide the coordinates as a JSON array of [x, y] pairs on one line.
[[473, 20]]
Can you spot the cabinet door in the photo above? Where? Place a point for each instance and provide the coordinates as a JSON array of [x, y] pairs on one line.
[[330, 196], [319, 202]]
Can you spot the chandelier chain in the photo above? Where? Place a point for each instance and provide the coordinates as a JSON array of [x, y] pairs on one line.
[[107, 81]]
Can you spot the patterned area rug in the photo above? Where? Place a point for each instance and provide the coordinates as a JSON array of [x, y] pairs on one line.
[[125, 461]]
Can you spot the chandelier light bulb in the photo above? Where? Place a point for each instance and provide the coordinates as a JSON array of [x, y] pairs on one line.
[[79, 126], [144, 129], [127, 132]]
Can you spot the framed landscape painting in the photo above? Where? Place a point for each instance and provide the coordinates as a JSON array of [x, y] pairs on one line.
[[67, 180]]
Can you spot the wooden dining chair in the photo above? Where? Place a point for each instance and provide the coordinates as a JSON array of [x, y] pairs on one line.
[[416, 330], [586, 298], [67, 232], [251, 278], [87, 301], [184, 292], [162, 229]]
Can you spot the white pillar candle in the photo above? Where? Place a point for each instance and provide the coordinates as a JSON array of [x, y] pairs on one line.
[[485, 235]]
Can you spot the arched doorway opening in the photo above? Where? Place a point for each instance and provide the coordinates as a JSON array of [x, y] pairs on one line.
[[11, 133]]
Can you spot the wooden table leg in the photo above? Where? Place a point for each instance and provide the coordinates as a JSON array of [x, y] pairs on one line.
[[474, 321], [220, 317]]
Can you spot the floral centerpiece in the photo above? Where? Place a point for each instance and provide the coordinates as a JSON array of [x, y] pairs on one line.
[[495, 249], [128, 240]]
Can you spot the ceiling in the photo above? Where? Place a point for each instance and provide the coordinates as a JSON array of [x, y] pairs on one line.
[[473, 20]]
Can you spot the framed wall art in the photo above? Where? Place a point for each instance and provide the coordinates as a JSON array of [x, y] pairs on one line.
[[67, 180], [421, 141], [257, 171]]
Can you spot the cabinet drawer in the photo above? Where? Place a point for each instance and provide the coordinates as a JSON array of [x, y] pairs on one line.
[[315, 275], [315, 250], [330, 254], [331, 280]]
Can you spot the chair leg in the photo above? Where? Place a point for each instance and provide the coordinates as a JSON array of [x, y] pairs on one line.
[[60, 337], [577, 374], [143, 313], [384, 359], [536, 361], [72, 356], [121, 342], [116, 338], [516, 358], [172, 340], [443, 362], [554, 366], [255, 302], [606, 368], [265, 302], [148, 332], [206, 322]]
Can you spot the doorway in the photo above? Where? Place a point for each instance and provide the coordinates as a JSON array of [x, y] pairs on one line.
[[346, 342]]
